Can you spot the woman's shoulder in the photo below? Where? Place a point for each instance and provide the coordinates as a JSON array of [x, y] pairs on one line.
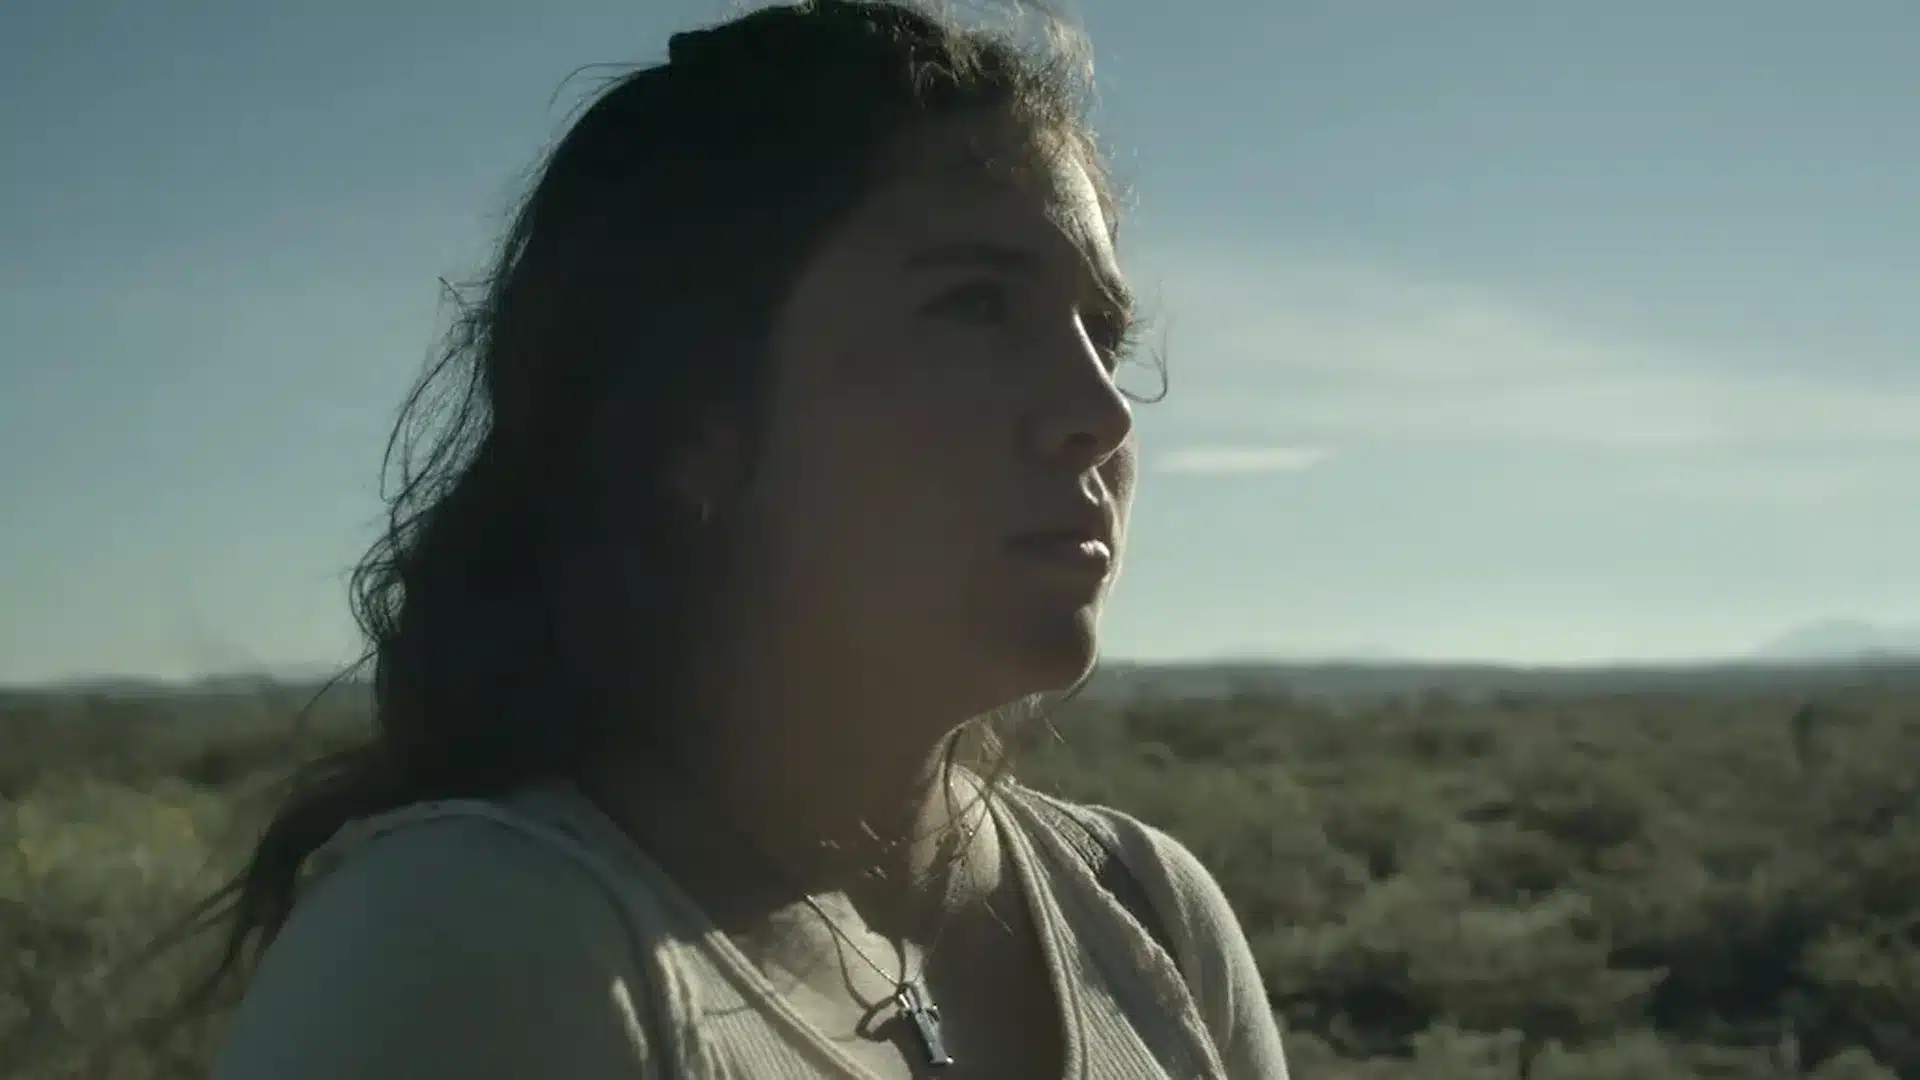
[[486, 857], [1209, 946], [506, 870], [446, 939], [1169, 871], [1157, 854], [1184, 893]]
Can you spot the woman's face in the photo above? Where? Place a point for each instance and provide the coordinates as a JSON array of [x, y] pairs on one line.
[[942, 490]]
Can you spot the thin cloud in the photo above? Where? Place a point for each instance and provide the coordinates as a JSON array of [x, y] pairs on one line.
[[1218, 460], [1343, 356]]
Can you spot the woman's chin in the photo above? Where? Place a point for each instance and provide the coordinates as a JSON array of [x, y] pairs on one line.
[[1053, 651]]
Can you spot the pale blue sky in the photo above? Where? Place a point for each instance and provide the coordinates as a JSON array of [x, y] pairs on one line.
[[1499, 330]]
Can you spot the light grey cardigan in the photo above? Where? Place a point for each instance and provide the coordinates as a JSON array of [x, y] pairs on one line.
[[528, 939]]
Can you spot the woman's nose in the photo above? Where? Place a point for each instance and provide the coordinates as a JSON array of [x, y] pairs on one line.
[[1082, 419]]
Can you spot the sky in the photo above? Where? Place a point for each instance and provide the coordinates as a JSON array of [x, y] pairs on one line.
[[1498, 330]]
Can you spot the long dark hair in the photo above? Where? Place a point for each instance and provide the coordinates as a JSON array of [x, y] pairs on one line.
[[524, 596]]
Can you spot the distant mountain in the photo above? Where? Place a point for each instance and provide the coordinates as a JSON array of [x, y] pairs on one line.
[[1362, 683], [245, 699], [1843, 639]]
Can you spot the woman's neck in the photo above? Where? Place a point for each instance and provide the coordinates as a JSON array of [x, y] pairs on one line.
[[746, 843], [810, 800]]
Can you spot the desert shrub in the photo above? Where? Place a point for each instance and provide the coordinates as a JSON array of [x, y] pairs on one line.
[[1561, 888]]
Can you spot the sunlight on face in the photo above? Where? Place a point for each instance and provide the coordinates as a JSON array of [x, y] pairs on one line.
[[944, 390]]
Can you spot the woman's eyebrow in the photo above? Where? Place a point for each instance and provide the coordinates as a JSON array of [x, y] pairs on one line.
[[994, 255], [974, 253]]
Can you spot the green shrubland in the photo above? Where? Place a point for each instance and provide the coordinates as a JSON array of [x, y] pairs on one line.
[[1557, 886]]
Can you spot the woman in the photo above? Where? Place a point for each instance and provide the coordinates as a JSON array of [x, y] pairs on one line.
[[790, 449]]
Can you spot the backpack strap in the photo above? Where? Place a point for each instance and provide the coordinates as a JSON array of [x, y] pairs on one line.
[[1103, 858]]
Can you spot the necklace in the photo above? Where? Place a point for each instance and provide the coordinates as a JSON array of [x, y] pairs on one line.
[[910, 993]]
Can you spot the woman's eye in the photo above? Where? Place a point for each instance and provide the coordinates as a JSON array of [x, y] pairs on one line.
[[1111, 332], [984, 302]]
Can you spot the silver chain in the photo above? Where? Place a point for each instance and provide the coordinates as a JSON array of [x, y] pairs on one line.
[[807, 898], [926, 956]]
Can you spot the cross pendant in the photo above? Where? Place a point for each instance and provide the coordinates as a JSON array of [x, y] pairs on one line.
[[920, 1010]]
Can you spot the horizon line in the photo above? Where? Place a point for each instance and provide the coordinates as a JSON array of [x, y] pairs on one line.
[[1890, 658]]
